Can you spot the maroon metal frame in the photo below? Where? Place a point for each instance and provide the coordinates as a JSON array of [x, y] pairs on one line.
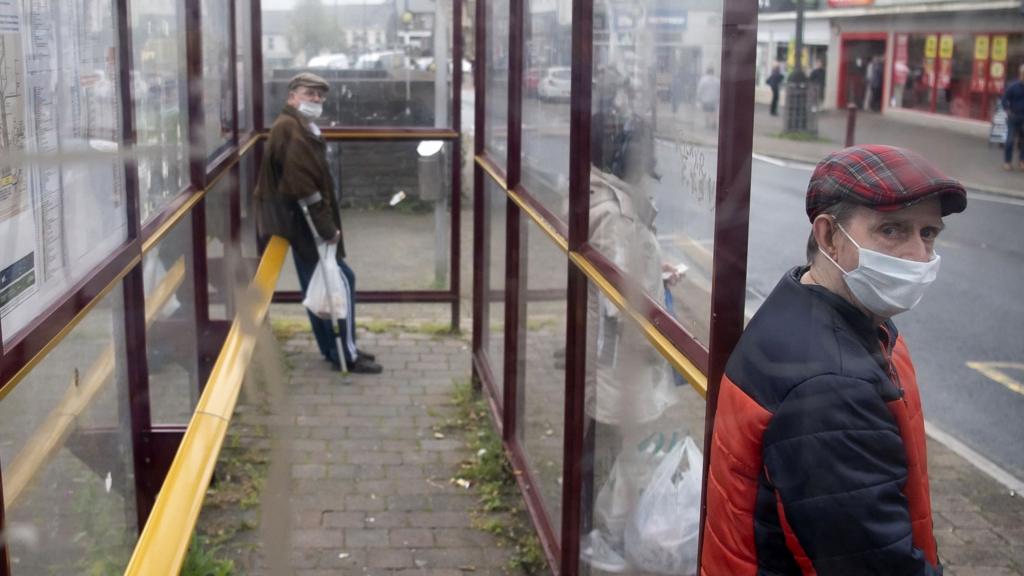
[[729, 260], [5, 560], [455, 260], [481, 229], [732, 204]]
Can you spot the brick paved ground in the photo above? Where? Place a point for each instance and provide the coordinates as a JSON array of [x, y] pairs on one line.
[[365, 483]]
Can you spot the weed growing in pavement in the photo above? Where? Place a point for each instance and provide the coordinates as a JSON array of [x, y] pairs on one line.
[[202, 560], [381, 326], [501, 511]]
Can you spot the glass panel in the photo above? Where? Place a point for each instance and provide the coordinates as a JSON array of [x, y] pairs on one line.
[[546, 81], [654, 151], [494, 286], [929, 83], [378, 58], [541, 389], [161, 103], [392, 198], [171, 334], [247, 184], [217, 94], [638, 416], [67, 454], [496, 75], [243, 64], [223, 266], [62, 199]]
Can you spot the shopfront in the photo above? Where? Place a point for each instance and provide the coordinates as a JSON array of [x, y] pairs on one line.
[[956, 74]]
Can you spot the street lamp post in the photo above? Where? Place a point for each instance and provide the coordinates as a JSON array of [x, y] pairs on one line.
[[798, 118]]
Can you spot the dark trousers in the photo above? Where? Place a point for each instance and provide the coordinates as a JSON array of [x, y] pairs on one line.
[[321, 327], [1014, 130], [775, 101]]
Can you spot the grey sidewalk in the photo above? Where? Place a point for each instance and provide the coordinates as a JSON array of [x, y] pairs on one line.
[[967, 158], [367, 487]]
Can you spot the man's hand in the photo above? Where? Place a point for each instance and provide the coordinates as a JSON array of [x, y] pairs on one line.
[[671, 275]]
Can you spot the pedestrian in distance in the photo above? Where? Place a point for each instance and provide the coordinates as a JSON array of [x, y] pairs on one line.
[[817, 81], [707, 96], [295, 173], [1013, 103], [818, 460], [775, 82]]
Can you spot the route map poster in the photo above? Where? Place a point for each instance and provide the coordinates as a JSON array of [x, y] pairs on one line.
[[61, 178]]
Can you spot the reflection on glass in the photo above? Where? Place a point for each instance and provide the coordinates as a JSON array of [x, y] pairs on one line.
[[243, 63], [161, 102], [386, 65], [638, 415], [547, 54], [217, 94], [225, 269], [494, 283], [496, 75], [171, 335], [541, 371], [67, 455], [62, 197], [654, 151]]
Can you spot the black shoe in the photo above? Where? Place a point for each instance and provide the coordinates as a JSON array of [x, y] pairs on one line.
[[367, 355], [364, 365]]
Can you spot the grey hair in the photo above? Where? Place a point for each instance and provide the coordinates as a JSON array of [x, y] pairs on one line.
[[841, 212]]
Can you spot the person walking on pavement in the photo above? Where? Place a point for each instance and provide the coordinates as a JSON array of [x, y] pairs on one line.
[[774, 82], [707, 95], [1013, 103], [818, 460], [295, 173]]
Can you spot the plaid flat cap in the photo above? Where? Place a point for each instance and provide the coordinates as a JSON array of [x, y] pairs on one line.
[[880, 177], [308, 79]]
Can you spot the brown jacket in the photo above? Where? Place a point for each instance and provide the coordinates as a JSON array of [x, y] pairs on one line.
[[295, 168]]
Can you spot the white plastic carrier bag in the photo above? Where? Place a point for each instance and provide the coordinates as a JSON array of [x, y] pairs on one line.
[[327, 296], [662, 534]]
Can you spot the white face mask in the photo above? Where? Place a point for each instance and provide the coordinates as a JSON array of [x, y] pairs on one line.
[[884, 284], [311, 110]]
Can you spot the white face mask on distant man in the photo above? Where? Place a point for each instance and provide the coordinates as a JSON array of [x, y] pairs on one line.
[[884, 284], [311, 110]]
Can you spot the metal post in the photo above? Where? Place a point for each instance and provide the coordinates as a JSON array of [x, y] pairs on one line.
[[454, 281], [732, 204], [851, 122], [256, 86], [5, 561]]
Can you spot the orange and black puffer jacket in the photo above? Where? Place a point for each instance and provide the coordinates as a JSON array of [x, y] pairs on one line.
[[818, 461]]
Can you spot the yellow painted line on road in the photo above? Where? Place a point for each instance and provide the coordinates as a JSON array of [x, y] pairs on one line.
[[994, 371]]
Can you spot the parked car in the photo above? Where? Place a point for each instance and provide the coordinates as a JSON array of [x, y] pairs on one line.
[[337, 61], [387, 60], [556, 84]]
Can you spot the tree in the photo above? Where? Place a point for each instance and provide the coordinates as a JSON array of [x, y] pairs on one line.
[[311, 31]]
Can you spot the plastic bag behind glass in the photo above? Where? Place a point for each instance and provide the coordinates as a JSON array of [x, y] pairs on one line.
[[662, 534], [327, 296]]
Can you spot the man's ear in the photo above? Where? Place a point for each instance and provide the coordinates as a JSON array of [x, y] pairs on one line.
[[824, 229]]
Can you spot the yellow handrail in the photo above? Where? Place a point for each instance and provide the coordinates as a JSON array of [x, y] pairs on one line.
[[164, 541]]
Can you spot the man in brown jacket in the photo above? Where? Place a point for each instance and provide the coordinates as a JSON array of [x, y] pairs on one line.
[[295, 173]]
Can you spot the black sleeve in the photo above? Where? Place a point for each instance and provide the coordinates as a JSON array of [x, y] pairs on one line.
[[834, 454]]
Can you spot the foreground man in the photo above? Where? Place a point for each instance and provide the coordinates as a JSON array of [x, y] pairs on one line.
[[294, 172], [818, 462]]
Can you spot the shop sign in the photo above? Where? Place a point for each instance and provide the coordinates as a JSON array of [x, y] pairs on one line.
[[847, 3], [978, 75], [668, 19], [981, 48], [946, 46], [999, 48], [900, 65], [929, 72], [945, 72], [997, 77], [930, 45]]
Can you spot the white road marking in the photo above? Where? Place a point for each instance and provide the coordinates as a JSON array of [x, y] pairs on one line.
[[980, 462], [783, 163], [986, 197]]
